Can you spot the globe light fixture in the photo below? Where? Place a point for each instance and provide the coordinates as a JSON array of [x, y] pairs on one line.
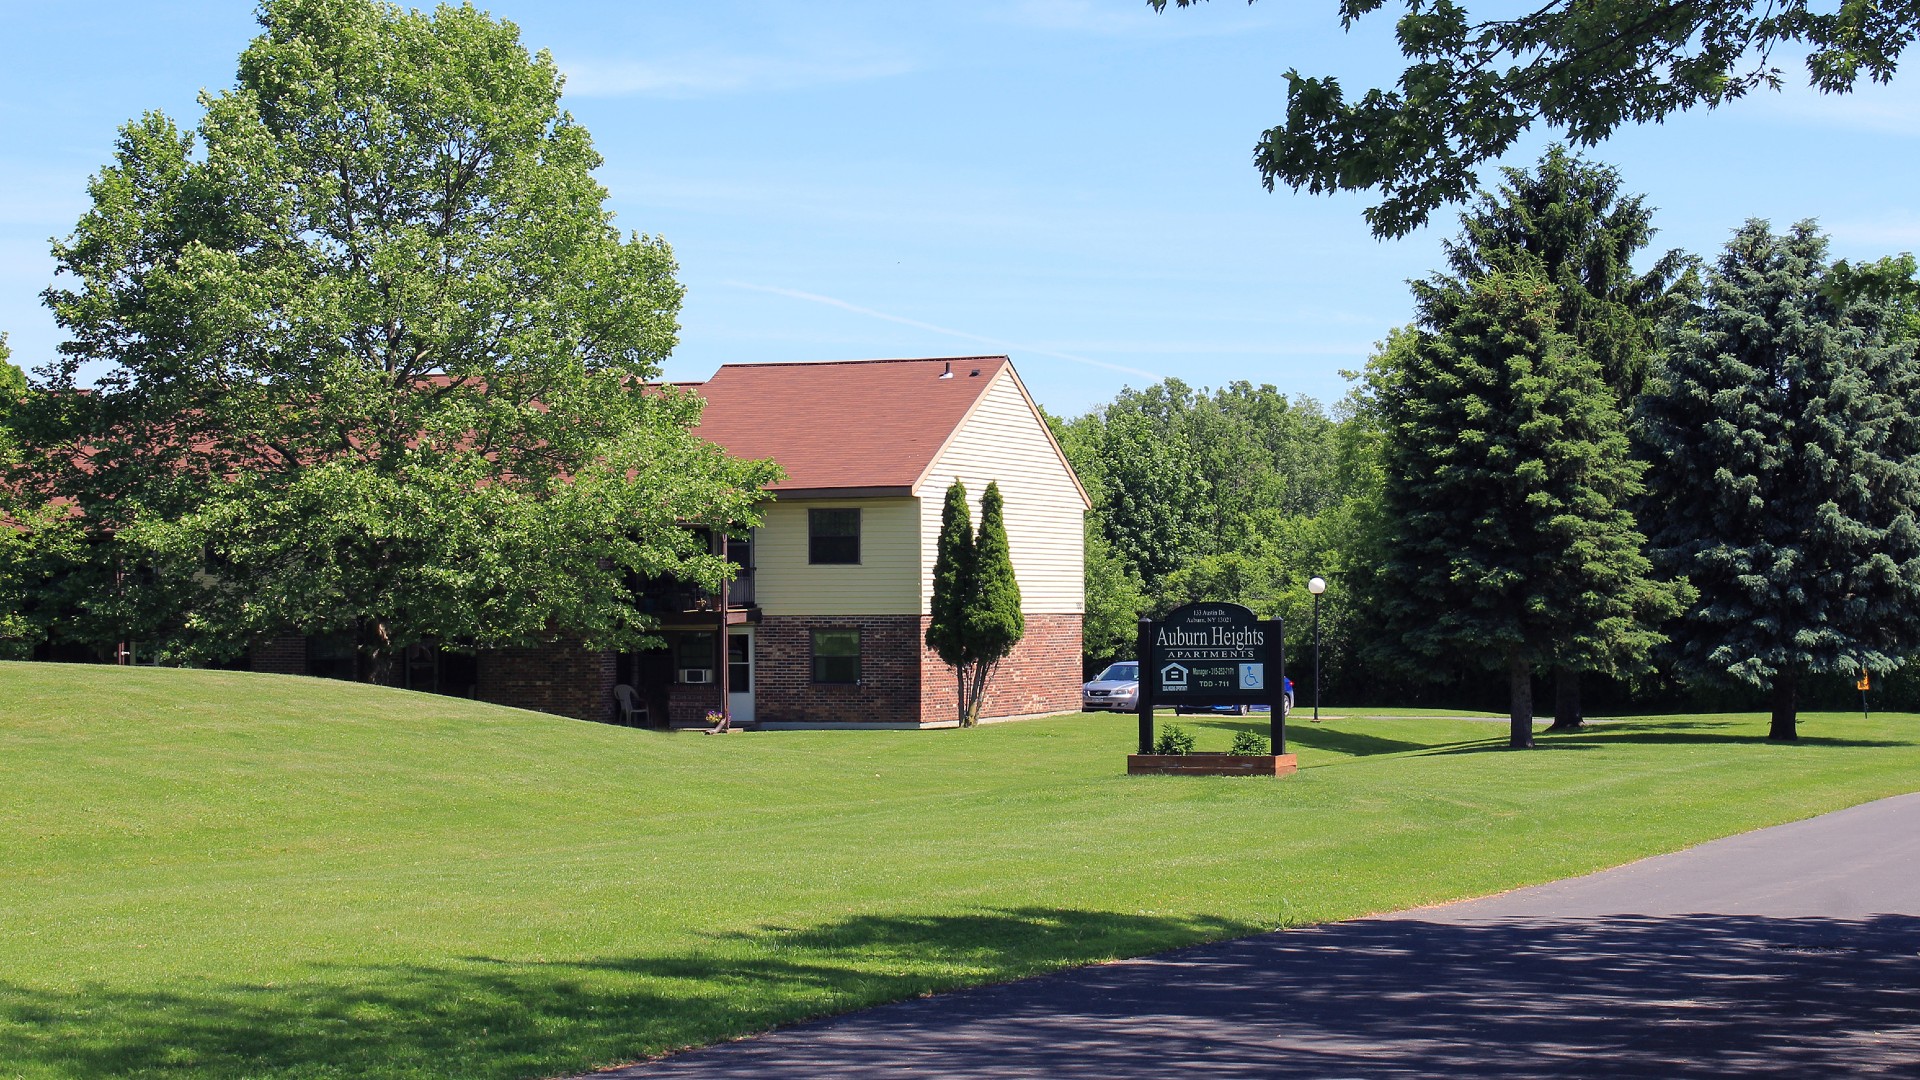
[[1316, 585]]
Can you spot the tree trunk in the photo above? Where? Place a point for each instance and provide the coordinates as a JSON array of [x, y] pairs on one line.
[[1566, 700], [960, 693], [1785, 684], [981, 673], [1520, 716], [376, 646]]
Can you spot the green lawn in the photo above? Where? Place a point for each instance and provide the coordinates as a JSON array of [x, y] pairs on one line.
[[207, 874]]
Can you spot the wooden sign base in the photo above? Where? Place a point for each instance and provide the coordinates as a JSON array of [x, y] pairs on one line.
[[1211, 764]]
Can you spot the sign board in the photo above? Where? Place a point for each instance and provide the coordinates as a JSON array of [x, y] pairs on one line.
[[1865, 682], [1209, 654], [1204, 655]]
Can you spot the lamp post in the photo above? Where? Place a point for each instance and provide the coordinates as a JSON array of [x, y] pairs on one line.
[[1316, 586]]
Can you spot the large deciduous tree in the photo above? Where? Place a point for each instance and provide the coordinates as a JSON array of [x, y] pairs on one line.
[[38, 537], [375, 358], [1786, 471], [1567, 221], [1115, 600], [1504, 535], [1150, 485], [976, 619], [1584, 68], [13, 381], [1179, 473]]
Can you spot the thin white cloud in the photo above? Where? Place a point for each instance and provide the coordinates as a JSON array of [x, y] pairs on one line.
[[1106, 18], [1883, 109], [1079, 15], [1877, 113], [1900, 232], [1212, 348], [963, 335], [709, 74]]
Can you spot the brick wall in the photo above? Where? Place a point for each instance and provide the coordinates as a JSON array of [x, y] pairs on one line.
[[901, 680], [560, 678], [689, 703], [1042, 675], [889, 687], [279, 656]]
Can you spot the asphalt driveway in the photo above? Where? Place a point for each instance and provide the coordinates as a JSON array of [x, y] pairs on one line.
[[1788, 952]]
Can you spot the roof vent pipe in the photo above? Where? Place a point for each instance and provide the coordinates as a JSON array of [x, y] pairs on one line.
[[948, 374]]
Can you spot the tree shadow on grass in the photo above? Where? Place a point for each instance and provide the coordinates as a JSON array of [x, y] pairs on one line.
[[1653, 732], [509, 1017], [1605, 996], [1700, 731], [1350, 743], [1337, 740], [1625, 995]]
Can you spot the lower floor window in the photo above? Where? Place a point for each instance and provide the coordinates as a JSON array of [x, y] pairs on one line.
[[693, 656], [836, 656]]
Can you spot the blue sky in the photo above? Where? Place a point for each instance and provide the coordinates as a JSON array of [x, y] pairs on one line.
[[1065, 181]]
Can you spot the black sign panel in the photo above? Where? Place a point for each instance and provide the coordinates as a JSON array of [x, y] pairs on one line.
[[1210, 654]]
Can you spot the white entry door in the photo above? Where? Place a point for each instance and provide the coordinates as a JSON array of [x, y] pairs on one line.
[[740, 675]]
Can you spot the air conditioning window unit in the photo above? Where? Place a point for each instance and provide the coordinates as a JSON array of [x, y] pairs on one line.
[[696, 675]]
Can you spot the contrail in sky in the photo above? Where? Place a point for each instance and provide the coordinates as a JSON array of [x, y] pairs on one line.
[[1008, 346]]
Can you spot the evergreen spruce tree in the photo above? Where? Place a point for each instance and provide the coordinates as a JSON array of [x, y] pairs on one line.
[[995, 623], [1567, 221], [1787, 472], [1505, 537], [953, 590]]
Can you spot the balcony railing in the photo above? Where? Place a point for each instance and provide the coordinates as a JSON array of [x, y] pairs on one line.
[[664, 596]]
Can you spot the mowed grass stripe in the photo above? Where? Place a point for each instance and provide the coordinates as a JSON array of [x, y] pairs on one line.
[[210, 874]]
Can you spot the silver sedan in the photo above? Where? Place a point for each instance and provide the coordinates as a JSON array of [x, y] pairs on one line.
[[1116, 688]]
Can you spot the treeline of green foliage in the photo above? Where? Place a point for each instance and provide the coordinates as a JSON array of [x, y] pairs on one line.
[[1694, 486], [1279, 544], [1239, 494]]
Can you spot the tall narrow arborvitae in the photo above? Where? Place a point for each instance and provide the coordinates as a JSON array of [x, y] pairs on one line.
[[953, 589], [975, 618], [995, 623], [1786, 472]]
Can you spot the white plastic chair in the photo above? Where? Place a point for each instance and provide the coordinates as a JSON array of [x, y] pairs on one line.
[[633, 708]]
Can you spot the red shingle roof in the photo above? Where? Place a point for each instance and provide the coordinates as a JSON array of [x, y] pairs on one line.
[[867, 427]]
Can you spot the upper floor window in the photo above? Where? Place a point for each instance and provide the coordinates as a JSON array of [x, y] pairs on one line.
[[833, 536]]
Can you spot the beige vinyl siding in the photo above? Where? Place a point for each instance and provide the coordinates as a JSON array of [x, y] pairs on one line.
[[885, 582], [1005, 440]]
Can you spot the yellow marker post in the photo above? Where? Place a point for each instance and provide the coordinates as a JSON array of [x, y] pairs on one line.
[[1864, 684]]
